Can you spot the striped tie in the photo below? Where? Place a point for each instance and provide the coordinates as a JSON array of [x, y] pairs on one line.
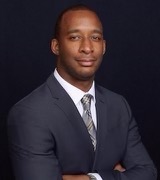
[[87, 117]]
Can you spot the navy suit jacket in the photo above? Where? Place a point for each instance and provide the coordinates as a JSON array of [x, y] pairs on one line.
[[48, 137]]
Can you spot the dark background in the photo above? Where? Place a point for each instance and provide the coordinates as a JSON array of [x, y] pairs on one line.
[[131, 66]]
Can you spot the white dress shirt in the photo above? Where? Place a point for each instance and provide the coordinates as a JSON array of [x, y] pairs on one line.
[[76, 95]]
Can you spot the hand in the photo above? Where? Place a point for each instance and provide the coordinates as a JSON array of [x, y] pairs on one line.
[[119, 167], [75, 177]]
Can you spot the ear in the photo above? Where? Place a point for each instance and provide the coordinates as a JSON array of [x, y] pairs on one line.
[[55, 46], [104, 46]]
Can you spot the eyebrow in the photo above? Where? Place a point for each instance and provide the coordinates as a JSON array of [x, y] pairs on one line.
[[77, 30]]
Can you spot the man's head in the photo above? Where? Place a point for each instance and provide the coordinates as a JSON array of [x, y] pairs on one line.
[[78, 44], [60, 17]]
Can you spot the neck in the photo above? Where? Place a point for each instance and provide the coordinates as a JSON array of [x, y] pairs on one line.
[[83, 84]]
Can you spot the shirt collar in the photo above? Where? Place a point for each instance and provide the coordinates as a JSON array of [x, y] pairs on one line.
[[75, 93]]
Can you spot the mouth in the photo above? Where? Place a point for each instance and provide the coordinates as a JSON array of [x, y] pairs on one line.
[[86, 62]]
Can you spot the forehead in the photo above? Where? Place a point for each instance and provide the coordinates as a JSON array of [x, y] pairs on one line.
[[80, 19]]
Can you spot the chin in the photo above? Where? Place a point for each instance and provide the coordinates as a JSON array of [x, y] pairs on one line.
[[86, 76]]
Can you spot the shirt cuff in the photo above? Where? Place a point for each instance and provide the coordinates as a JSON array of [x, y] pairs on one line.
[[96, 175]]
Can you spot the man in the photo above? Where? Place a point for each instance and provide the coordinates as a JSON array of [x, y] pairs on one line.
[[48, 132]]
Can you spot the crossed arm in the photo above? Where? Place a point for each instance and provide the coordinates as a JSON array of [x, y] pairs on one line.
[[32, 156], [118, 167]]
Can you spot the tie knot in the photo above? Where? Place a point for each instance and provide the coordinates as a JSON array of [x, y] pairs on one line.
[[86, 101]]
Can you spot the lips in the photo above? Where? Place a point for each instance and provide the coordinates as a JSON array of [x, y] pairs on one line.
[[86, 61]]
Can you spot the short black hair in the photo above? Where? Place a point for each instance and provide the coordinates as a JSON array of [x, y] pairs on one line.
[[71, 8]]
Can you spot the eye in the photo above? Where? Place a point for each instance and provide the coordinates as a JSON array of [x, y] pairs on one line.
[[74, 38], [96, 38]]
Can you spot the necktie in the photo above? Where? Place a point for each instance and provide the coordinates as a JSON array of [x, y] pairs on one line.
[[87, 117]]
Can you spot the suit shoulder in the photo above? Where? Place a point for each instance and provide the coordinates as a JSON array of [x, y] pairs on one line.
[[33, 107], [113, 99], [36, 98], [107, 92]]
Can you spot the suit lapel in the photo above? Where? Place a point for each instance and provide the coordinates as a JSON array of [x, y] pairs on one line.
[[101, 115], [65, 103], [102, 123]]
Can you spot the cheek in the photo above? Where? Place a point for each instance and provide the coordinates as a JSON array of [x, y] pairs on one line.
[[69, 53], [69, 48], [73, 50], [99, 49]]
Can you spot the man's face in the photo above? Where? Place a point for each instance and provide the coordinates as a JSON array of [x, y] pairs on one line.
[[80, 46]]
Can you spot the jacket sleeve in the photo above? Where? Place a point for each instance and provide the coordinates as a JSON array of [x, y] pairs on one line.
[[31, 146], [136, 160]]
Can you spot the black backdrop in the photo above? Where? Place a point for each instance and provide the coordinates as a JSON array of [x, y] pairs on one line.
[[131, 66]]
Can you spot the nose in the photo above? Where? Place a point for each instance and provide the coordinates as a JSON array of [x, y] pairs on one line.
[[86, 46]]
